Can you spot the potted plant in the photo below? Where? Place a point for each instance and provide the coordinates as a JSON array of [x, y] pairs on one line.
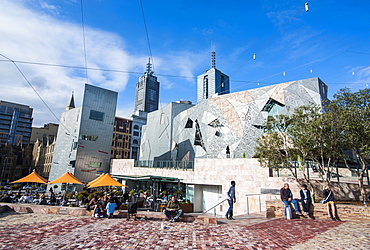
[[187, 207]]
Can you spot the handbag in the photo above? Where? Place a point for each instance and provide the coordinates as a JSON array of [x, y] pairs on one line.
[[323, 201]]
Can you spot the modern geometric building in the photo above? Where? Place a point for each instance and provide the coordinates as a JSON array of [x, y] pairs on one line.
[[156, 141], [121, 138], [200, 135], [212, 82], [85, 135], [232, 120], [15, 124], [146, 100]]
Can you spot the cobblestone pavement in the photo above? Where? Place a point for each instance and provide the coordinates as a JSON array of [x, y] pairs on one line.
[[88, 233]]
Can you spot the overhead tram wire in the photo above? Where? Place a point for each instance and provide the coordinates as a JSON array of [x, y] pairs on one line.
[[268, 40], [345, 50], [147, 34], [33, 88], [279, 73], [305, 6], [84, 40], [98, 69]]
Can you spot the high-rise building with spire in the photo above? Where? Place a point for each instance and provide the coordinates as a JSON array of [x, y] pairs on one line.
[[147, 91], [212, 82], [146, 100]]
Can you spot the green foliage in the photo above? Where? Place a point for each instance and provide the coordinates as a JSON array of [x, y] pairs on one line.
[[16, 187], [33, 187], [69, 195], [55, 186], [82, 195], [63, 187], [311, 133], [131, 192], [1, 187]]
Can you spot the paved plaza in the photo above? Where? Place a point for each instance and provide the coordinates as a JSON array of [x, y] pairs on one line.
[[38, 231]]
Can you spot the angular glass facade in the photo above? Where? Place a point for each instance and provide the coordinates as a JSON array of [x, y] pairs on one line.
[[84, 140], [15, 124]]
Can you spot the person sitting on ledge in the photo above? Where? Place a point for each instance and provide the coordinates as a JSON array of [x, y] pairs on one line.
[[286, 196], [173, 208]]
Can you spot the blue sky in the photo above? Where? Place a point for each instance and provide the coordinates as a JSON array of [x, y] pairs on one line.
[[331, 40]]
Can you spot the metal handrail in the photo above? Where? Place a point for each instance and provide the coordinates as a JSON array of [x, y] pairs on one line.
[[214, 207]]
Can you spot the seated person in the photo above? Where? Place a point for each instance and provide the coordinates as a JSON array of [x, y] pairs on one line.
[[6, 199], [111, 206], [286, 196], [173, 208], [98, 211]]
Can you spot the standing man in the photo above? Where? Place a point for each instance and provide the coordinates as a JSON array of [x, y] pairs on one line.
[[231, 200], [286, 196]]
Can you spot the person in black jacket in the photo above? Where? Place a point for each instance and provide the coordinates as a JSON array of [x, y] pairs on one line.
[[286, 196], [305, 199], [329, 202]]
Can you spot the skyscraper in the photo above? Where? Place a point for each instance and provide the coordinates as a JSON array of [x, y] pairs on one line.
[[15, 124], [84, 136], [212, 82], [147, 91], [146, 100]]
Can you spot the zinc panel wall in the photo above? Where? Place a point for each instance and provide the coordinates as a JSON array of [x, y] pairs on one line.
[[89, 151]]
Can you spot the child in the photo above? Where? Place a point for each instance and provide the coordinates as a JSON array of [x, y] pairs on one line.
[[98, 211], [305, 199], [111, 206]]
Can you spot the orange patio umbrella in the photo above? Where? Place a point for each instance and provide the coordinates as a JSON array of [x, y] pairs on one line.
[[95, 180], [66, 178], [106, 180], [32, 177]]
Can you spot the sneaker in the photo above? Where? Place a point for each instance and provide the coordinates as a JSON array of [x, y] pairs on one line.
[[298, 213], [227, 217], [231, 218], [172, 220]]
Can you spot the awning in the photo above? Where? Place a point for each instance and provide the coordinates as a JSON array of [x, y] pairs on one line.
[[106, 180], [95, 180], [66, 178], [32, 177], [146, 178]]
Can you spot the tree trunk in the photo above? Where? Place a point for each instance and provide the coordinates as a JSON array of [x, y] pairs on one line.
[[361, 187]]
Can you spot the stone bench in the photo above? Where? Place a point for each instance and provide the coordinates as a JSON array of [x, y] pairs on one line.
[[347, 212], [80, 211]]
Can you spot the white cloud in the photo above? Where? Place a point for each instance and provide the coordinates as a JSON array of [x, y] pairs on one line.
[[29, 35], [35, 34]]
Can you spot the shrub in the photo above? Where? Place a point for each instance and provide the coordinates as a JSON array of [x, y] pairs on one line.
[[82, 195], [16, 187], [69, 195]]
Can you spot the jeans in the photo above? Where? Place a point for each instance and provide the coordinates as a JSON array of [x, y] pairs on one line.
[[295, 203], [176, 213], [229, 212]]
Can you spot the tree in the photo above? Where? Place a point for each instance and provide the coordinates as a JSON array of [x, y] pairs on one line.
[[274, 148], [353, 112], [315, 138]]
